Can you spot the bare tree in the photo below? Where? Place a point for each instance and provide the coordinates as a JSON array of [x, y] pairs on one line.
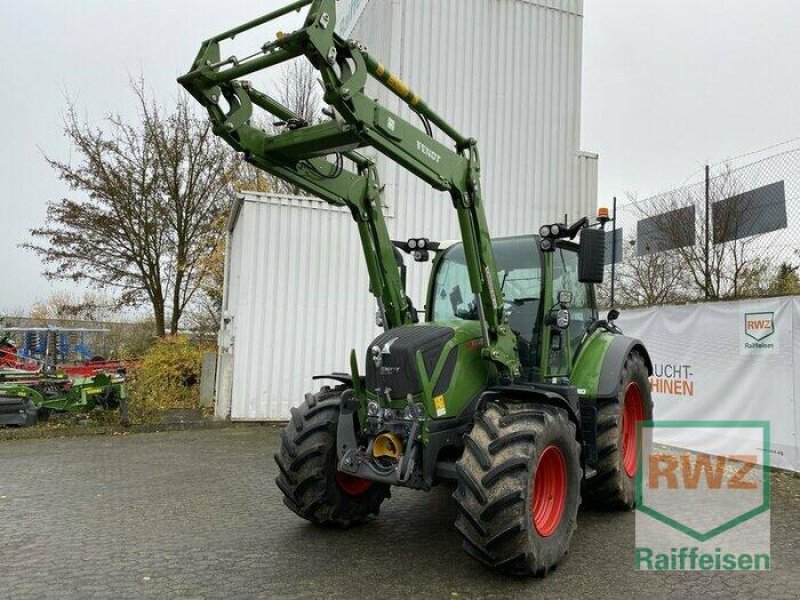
[[650, 279], [206, 311], [89, 306], [153, 191], [712, 248], [298, 90]]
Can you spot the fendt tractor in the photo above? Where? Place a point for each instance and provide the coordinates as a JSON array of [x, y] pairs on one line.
[[510, 388]]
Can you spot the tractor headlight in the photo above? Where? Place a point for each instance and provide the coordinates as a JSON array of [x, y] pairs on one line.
[[555, 229], [412, 243], [562, 319], [417, 411], [546, 245], [544, 231], [564, 297], [373, 409], [421, 243]]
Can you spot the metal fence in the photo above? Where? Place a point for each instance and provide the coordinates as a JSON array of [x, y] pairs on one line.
[[734, 233], [79, 339]]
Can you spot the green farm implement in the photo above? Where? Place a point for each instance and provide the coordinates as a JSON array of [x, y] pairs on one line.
[[25, 400], [31, 389], [511, 389]]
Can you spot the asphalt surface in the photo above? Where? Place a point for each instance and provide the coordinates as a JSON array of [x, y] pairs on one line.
[[195, 514]]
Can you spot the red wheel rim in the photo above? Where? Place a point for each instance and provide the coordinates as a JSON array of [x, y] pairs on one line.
[[632, 413], [352, 486], [549, 494]]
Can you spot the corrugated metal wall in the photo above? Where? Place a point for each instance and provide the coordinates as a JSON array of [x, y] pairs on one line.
[[507, 72], [297, 302]]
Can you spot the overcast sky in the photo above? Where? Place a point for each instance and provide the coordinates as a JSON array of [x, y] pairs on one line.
[[667, 86]]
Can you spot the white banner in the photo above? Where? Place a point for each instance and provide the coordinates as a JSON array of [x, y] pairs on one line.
[[726, 361]]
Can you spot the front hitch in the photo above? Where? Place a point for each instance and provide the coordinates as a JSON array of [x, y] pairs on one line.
[[359, 462]]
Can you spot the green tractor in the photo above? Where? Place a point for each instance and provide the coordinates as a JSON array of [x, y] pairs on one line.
[[511, 389]]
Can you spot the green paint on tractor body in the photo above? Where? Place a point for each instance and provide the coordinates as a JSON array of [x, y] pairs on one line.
[[511, 349], [588, 364]]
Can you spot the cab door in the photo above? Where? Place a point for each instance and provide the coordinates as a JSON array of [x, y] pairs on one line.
[[582, 309]]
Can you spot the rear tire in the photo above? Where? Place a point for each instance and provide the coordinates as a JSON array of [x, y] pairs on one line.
[[614, 485], [312, 486], [519, 487]]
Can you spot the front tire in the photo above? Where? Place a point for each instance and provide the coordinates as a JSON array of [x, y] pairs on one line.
[[519, 487], [614, 485], [312, 486]]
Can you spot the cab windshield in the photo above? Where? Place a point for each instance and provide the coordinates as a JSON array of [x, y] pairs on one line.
[[519, 268]]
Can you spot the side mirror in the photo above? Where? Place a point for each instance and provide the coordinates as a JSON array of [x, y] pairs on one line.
[[613, 315], [592, 256]]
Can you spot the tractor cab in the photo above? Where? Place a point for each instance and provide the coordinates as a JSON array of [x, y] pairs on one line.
[[543, 296]]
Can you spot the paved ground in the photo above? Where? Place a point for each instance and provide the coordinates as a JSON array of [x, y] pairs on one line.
[[196, 515]]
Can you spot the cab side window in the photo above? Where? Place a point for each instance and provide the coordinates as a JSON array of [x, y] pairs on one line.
[[581, 309]]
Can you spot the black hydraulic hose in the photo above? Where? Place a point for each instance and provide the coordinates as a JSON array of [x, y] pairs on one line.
[[337, 169], [425, 122]]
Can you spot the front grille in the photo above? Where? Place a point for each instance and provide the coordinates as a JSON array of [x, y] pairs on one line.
[[398, 347]]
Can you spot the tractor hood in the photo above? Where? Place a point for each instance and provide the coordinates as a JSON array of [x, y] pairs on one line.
[[391, 360]]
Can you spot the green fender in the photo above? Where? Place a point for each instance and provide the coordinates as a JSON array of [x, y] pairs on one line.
[[598, 367]]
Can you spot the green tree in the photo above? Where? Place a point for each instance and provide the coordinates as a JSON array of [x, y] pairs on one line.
[[786, 281]]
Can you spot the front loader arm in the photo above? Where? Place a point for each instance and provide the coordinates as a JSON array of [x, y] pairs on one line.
[[301, 154]]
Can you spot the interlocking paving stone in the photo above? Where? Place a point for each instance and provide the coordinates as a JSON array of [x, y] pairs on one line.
[[195, 514]]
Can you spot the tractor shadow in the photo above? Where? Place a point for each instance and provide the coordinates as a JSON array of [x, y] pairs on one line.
[[415, 534]]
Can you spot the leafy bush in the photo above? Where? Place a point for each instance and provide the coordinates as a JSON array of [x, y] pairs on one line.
[[133, 340], [167, 376]]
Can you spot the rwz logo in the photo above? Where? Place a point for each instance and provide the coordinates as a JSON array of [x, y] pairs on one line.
[[759, 326], [728, 471]]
